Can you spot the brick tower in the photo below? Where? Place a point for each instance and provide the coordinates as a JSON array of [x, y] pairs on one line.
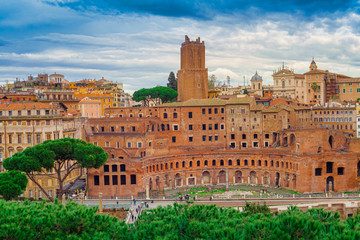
[[193, 76]]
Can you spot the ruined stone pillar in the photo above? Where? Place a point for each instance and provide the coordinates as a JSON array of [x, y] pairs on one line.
[[100, 203], [242, 179], [82, 198], [147, 191], [227, 179]]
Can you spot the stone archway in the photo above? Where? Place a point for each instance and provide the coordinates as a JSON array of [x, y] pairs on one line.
[[166, 180], [358, 169], [292, 139], [238, 177], [286, 180], [277, 179], [150, 184], [206, 178], [266, 178], [157, 182], [222, 177], [331, 141], [178, 180], [253, 177]]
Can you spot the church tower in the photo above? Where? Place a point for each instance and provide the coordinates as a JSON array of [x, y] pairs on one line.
[[313, 65], [192, 76]]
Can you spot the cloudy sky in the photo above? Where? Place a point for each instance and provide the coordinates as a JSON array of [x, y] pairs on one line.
[[138, 42]]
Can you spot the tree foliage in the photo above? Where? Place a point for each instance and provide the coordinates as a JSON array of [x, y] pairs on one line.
[[63, 155], [145, 95], [172, 81], [12, 184], [40, 220], [37, 220]]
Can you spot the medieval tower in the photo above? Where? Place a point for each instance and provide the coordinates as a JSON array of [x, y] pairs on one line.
[[192, 76]]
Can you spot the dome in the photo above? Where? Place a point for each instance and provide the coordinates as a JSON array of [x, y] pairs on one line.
[[256, 77]]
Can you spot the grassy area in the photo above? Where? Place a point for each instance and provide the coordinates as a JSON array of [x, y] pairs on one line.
[[213, 190]]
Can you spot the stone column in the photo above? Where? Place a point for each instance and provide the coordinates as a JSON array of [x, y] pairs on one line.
[[100, 203], [227, 179], [147, 191], [82, 198], [242, 179]]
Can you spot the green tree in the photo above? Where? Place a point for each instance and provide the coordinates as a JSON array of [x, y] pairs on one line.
[[314, 87], [172, 81], [62, 155], [145, 95], [12, 184]]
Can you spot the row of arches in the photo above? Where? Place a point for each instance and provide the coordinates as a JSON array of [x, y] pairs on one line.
[[222, 163], [173, 180]]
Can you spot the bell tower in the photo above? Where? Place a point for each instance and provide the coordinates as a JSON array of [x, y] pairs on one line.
[[192, 76]]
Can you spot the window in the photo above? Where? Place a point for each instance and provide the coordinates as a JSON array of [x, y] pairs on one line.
[[19, 113], [244, 136], [210, 126], [232, 136], [340, 171], [216, 137], [96, 180], [245, 162], [214, 162], [255, 136], [28, 139], [203, 111], [132, 179], [222, 126], [122, 168], [215, 110], [243, 145], [329, 167], [107, 144], [190, 127], [112, 129], [106, 180], [19, 138], [129, 144], [204, 138], [267, 136], [317, 171], [222, 110], [243, 110], [209, 110], [114, 168], [210, 138], [117, 144], [165, 115], [115, 180], [173, 139], [102, 129], [37, 112], [206, 163], [133, 128], [204, 127], [216, 126], [38, 138], [190, 139], [106, 168], [174, 115], [10, 113], [122, 179], [190, 115]]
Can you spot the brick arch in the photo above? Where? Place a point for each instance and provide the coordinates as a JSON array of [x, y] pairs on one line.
[[206, 177], [222, 177], [253, 177], [238, 176]]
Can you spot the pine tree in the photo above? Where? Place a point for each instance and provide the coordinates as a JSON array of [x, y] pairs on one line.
[[172, 81]]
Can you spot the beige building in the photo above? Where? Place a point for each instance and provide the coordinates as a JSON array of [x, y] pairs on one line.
[[288, 84], [256, 85], [348, 89], [24, 125]]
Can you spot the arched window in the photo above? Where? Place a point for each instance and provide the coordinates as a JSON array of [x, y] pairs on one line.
[[190, 164], [177, 165], [214, 162], [230, 162], [272, 163], [171, 165], [259, 163], [266, 163], [277, 164], [221, 162], [183, 164], [252, 162], [206, 163], [198, 163], [166, 166], [238, 162], [245, 162]]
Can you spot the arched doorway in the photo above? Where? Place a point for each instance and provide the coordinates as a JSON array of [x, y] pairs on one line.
[[285, 141], [167, 180], [206, 178], [157, 182], [238, 177], [358, 169], [150, 184], [292, 139], [266, 178], [286, 179], [178, 180], [331, 141], [294, 181], [253, 177], [222, 177], [277, 179], [330, 184]]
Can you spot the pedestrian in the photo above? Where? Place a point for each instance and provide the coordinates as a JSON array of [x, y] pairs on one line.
[[117, 202], [132, 217], [134, 201]]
